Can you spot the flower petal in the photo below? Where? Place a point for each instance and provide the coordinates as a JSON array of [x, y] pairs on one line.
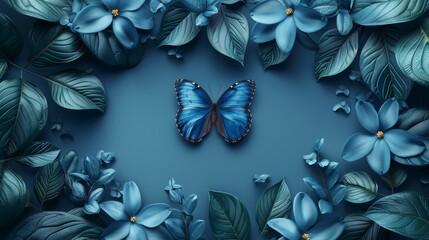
[[268, 12], [304, 211], [358, 146], [125, 32], [153, 215], [388, 114], [291, 3], [403, 143], [130, 5], [111, 4], [132, 198], [137, 232], [141, 18], [367, 116], [117, 230], [308, 20], [263, 33], [286, 34], [379, 158], [328, 229], [93, 18], [287, 228], [114, 209]]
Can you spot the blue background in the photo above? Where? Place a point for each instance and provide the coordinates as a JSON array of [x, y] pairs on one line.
[[290, 111]]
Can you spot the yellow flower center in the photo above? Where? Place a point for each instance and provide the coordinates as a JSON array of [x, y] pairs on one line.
[[289, 11], [115, 12], [380, 134], [306, 236], [133, 219]]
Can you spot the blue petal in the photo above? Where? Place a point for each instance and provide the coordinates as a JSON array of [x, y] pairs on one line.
[[114, 209], [358, 146], [201, 20], [304, 211], [91, 19], [328, 229], [91, 207], [111, 4], [130, 5], [388, 114], [286, 34], [379, 158], [132, 198], [263, 33], [155, 5], [141, 18], [117, 230], [268, 12], [137, 232], [291, 3], [285, 227], [308, 20], [367, 116], [403, 143], [153, 215], [125, 32]]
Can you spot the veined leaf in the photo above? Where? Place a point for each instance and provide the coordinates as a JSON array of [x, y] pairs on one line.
[[228, 217], [48, 10], [270, 54], [3, 66], [38, 154], [415, 121], [23, 114], [13, 195], [359, 227], [361, 188], [49, 182], [395, 176], [10, 42]]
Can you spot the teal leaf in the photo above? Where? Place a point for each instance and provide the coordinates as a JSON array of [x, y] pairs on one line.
[[361, 188], [178, 27], [325, 7], [38, 154], [23, 117], [49, 182], [13, 195], [412, 51], [51, 43], [228, 33], [270, 54], [275, 202], [106, 176], [395, 176], [315, 187], [48, 10], [338, 193], [336, 52], [228, 217], [196, 229], [175, 228], [106, 48], [406, 213], [77, 90], [378, 65], [3, 66], [325, 207], [10, 42], [55, 225], [415, 121], [359, 227], [382, 12]]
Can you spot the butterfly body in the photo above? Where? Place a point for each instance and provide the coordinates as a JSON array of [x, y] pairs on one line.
[[197, 112]]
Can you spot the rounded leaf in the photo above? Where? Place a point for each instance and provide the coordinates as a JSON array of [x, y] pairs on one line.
[[49, 182], [359, 227], [360, 187], [13, 195], [38, 154], [48, 10], [270, 54]]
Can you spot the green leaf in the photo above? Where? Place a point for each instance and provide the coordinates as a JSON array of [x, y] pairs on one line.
[[412, 51], [13, 196], [23, 114], [77, 90], [395, 177], [361, 188], [336, 52], [378, 65], [49, 10], [49, 182], [228, 33], [55, 225], [38, 154], [359, 227], [406, 213], [270, 54], [178, 27], [385, 12], [51, 43], [106, 48], [10, 42], [228, 217], [275, 202]]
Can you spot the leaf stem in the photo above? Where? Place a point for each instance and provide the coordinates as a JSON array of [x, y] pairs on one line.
[[324, 181]]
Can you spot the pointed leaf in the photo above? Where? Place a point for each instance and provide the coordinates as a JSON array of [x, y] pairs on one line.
[[315, 187], [270, 54], [359, 227], [176, 228], [10, 42], [361, 188], [48, 10], [13, 196], [49, 182], [3, 66], [38, 154], [395, 176]]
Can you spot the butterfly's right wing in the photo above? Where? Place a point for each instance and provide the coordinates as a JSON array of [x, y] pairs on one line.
[[193, 119]]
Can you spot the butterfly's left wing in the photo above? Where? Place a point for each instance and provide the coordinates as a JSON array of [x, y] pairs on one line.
[[233, 114]]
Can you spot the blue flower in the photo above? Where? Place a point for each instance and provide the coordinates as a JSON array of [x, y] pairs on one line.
[[305, 225], [382, 140], [116, 189], [130, 221], [106, 157], [124, 16], [204, 8], [279, 20], [174, 191]]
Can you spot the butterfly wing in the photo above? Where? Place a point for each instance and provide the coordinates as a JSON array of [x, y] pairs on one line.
[[193, 119], [233, 111]]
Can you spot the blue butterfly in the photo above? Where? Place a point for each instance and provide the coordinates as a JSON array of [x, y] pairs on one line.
[[197, 111]]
